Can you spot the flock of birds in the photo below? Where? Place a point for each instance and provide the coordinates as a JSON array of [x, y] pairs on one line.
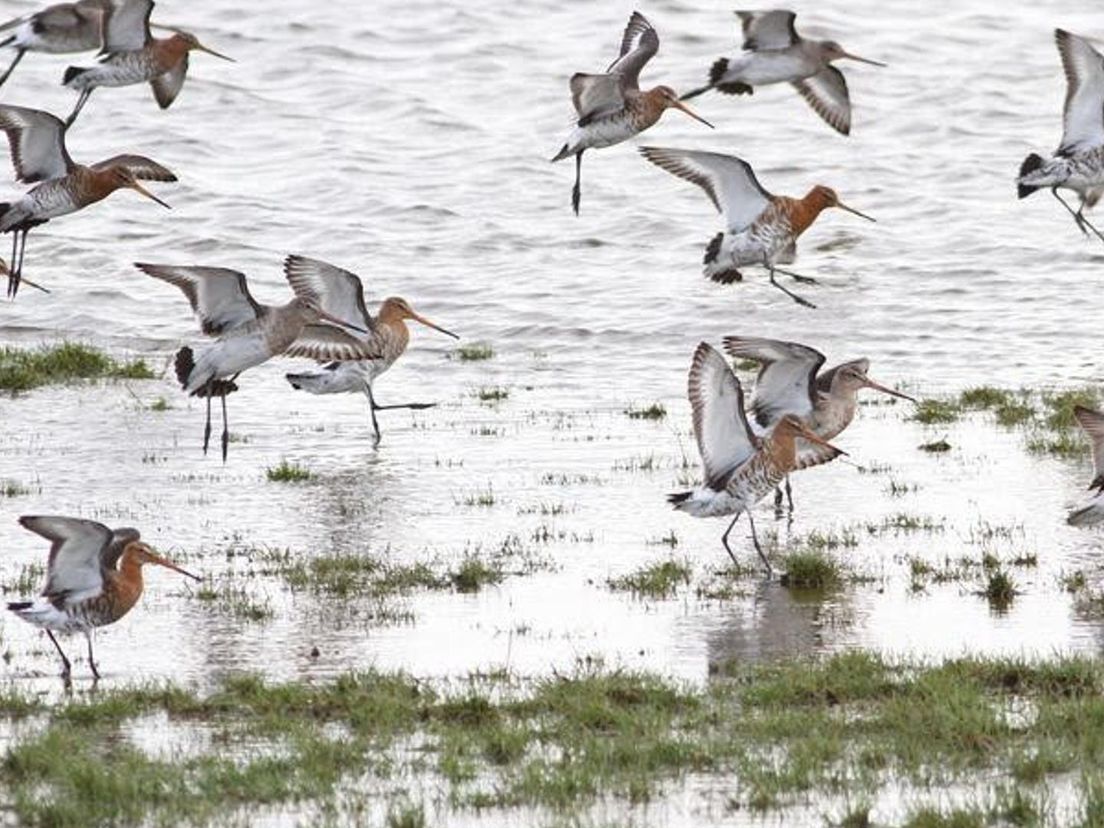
[[748, 450]]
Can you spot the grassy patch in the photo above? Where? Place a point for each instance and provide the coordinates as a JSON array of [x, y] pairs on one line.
[[474, 352], [810, 569], [661, 579], [24, 369], [492, 394], [936, 446], [232, 598], [12, 488], [772, 734], [288, 473], [1000, 590], [160, 404], [934, 412], [655, 411], [474, 573]]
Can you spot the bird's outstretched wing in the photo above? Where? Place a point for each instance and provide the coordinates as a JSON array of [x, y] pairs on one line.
[[127, 26], [725, 440], [729, 181], [340, 292], [826, 93], [1083, 114], [763, 30], [219, 296], [787, 376], [327, 343], [639, 44], [37, 142], [75, 567]]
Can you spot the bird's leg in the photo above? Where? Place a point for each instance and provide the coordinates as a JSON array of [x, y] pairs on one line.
[[789, 494], [724, 540], [91, 659], [81, 101], [207, 425], [1084, 222], [797, 277], [65, 668], [13, 277], [787, 291], [1077, 219], [376, 436], [576, 192], [758, 548], [777, 502], [225, 430], [15, 62]]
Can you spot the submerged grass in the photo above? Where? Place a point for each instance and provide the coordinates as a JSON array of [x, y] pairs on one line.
[[24, 369], [772, 734], [661, 579], [655, 411], [288, 473]]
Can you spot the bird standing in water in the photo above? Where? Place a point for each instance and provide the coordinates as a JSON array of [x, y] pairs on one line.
[[611, 106], [93, 578], [761, 229], [789, 384], [342, 294], [1092, 422], [58, 29], [38, 152], [1078, 163], [248, 333], [775, 53], [739, 467], [133, 56]]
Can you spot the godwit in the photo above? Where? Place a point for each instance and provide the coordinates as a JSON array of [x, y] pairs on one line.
[[1093, 424], [775, 53], [248, 333], [762, 229], [611, 106], [58, 29], [739, 467], [38, 153], [1078, 163], [789, 384], [93, 578], [135, 56], [341, 294]]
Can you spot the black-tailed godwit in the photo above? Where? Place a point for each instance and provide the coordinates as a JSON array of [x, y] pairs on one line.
[[63, 28], [93, 578]]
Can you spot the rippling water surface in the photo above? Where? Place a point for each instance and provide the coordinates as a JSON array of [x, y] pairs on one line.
[[409, 142]]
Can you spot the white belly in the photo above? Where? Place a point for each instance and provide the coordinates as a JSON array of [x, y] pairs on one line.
[[764, 68]]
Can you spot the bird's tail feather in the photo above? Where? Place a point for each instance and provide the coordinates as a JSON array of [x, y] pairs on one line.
[[676, 498], [562, 154], [71, 73], [1085, 516], [17, 606], [185, 364], [1029, 165]]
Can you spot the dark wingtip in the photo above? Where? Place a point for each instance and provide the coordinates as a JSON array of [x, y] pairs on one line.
[[678, 497], [1029, 165]]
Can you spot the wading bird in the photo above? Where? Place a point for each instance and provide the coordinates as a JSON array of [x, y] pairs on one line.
[[761, 229], [611, 107], [39, 155], [789, 384], [775, 53], [341, 294], [1078, 163], [1093, 424], [133, 55], [59, 29], [739, 467], [248, 333], [93, 578]]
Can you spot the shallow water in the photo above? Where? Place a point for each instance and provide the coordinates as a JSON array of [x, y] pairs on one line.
[[410, 144]]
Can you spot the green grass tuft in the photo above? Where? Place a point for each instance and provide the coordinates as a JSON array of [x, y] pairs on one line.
[[936, 447], [932, 412], [656, 580], [474, 352], [288, 473], [810, 569], [24, 369], [655, 411]]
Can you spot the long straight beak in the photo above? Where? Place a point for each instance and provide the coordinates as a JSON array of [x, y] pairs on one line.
[[329, 317], [843, 206], [140, 189], [203, 48], [433, 325], [691, 113], [885, 390], [813, 437], [157, 559], [863, 60]]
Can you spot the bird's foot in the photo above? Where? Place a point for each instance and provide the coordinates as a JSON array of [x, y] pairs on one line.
[[727, 277]]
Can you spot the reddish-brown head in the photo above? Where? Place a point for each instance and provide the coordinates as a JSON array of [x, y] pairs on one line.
[[139, 553], [187, 42], [821, 197], [667, 98]]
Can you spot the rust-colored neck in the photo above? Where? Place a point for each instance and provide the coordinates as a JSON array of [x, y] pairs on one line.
[[782, 447], [804, 211], [90, 186], [126, 585]]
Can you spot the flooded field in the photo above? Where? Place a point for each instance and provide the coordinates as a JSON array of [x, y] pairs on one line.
[[494, 618]]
